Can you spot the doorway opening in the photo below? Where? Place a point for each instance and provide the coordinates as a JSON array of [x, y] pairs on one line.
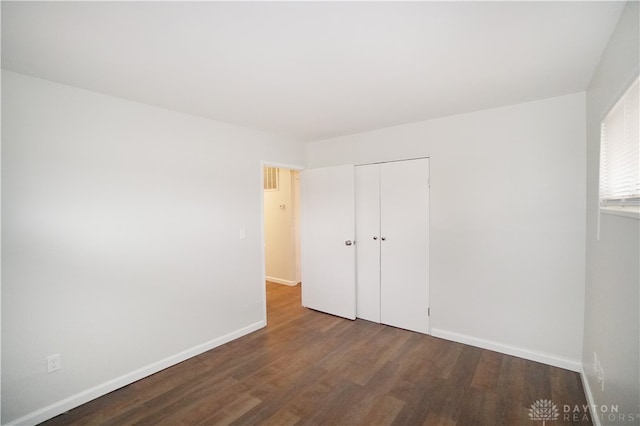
[[281, 207]]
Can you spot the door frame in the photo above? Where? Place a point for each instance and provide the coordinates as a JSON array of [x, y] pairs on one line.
[[263, 164], [298, 167]]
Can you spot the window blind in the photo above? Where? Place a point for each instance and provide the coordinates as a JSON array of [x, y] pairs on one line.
[[620, 151]]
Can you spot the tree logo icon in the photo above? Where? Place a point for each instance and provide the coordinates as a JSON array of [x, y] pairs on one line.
[[543, 409]]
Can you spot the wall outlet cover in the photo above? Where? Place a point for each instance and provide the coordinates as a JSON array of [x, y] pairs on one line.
[[53, 363]]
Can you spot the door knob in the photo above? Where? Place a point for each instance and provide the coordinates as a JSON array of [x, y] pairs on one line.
[[348, 243], [375, 238], [383, 238]]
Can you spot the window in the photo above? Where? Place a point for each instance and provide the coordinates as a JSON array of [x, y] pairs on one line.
[[271, 178], [620, 155]]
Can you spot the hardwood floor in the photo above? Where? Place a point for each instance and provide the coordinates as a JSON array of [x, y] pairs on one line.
[[311, 368]]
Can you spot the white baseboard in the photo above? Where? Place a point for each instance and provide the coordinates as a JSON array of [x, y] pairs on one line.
[[83, 397], [544, 358], [281, 281], [589, 395]]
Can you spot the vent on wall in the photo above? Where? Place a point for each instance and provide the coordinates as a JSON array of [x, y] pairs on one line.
[[271, 178]]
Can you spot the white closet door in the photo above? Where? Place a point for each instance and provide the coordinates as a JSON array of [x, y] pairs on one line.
[[368, 238], [404, 200], [328, 231]]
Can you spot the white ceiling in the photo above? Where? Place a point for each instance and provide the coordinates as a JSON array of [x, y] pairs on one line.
[[312, 70]]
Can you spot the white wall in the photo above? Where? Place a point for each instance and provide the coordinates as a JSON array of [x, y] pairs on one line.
[[121, 247], [612, 305], [279, 230], [507, 221]]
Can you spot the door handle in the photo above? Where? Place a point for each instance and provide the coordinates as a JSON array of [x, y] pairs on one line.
[[349, 242], [383, 238], [375, 238]]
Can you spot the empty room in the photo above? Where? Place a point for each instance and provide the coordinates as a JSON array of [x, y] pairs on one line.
[[456, 187]]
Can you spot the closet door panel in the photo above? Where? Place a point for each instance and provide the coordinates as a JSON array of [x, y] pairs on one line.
[[404, 271], [368, 241]]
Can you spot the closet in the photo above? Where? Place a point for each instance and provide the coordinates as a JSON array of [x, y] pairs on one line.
[[392, 251]]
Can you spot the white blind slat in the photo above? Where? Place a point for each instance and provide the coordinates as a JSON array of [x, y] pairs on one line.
[[620, 149]]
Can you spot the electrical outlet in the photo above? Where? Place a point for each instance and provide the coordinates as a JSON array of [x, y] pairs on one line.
[[601, 376], [597, 367], [53, 363]]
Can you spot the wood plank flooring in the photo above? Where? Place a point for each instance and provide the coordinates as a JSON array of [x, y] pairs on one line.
[[310, 368]]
